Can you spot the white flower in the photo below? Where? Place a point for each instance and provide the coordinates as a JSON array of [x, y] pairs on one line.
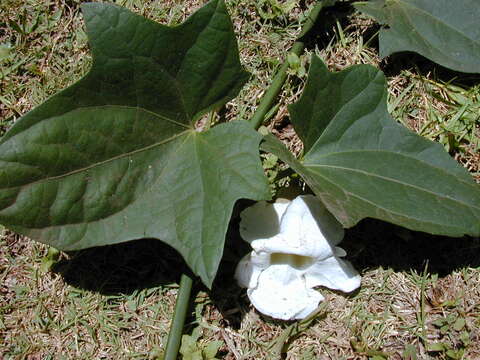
[[293, 252]]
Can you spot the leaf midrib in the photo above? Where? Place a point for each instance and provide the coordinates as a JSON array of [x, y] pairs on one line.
[[424, 163], [447, 24], [381, 207], [340, 110], [436, 20], [392, 180], [120, 156], [114, 213]]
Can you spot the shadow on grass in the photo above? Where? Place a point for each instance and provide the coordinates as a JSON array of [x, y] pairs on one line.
[[122, 268], [396, 63], [326, 30], [369, 245], [140, 264], [374, 243]]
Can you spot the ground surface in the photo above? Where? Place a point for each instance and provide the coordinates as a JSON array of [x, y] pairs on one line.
[[420, 294]]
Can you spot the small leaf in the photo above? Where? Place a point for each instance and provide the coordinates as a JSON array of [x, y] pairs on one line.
[[188, 346], [459, 324], [131, 305], [445, 329], [455, 354], [443, 31], [5, 50], [361, 163], [378, 357], [435, 347], [465, 338], [211, 349], [49, 260], [116, 156], [410, 352], [293, 60], [270, 161], [440, 322]]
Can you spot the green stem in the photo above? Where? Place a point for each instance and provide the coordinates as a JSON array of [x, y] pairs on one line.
[[181, 308], [281, 75]]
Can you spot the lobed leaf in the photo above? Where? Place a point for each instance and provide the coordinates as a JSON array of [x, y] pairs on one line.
[[116, 157], [443, 31], [361, 163]]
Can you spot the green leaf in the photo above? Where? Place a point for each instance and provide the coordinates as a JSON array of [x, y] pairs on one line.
[[211, 349], [116, 157], [459, 324], [189, 348], [410, 352], [435, 347], [443, 31], [5, 50], [361, 163], [192, 349], [49, 260]]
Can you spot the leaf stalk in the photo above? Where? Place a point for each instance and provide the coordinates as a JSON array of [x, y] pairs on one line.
[[279, 79], [178, 320]]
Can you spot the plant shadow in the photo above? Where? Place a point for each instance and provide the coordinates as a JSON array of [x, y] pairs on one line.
[[326, 30], [369, 245], [395, 64], [374, 243], [326, 27], [144, 263], [121, 268]]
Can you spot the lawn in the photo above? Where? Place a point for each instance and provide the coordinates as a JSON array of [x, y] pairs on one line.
[[420, 294]]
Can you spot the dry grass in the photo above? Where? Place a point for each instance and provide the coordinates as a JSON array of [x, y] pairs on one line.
[[420, 295]]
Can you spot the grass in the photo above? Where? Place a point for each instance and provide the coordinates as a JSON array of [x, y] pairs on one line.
[[420, 294]]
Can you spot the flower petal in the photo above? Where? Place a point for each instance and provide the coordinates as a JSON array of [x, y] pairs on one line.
[[294, 250], [262, 220], [334, 273], [308, 219], [339, 252], [306, 229], [282, 294], [250, 267]]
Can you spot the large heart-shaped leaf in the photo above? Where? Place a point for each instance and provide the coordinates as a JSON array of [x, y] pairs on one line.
[[444, 31], [116, 156], [361, 163]]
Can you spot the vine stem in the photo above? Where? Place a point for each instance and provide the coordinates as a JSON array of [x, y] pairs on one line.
[[183, 296], [281, 75], [178, 320]]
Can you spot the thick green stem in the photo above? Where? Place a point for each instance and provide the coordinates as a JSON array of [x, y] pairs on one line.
[[274, 89], [281, 75], [178, 321]]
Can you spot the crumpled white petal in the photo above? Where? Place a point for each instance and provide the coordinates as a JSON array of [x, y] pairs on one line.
[[293, 251], [288, 297], [264, 213], [249, 269], [308, 224], [334, 273]]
